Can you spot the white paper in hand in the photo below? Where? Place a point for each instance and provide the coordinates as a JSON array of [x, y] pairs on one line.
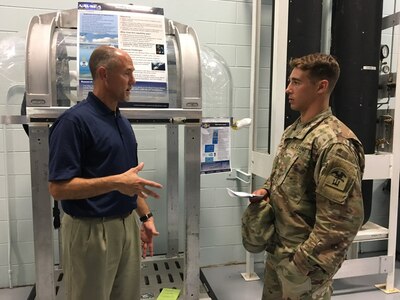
[[244, 195]]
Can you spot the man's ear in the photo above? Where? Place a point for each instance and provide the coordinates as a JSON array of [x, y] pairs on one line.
[[102, 73], [323, 86]]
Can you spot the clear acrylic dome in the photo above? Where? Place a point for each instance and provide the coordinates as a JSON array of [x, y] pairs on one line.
[[12, 73], [216, 84], [12, 59]]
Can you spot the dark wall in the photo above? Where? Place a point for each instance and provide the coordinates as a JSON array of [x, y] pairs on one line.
[[304, 37], [356, 41]]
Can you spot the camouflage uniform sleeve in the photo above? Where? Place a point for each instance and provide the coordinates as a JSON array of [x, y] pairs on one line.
[[339, 209], [267, 184]]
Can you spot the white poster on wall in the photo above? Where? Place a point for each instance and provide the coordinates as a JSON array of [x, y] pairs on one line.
[[215, 145], [138, 30]]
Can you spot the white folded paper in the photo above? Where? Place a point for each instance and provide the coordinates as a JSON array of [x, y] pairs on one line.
[[243, 195]]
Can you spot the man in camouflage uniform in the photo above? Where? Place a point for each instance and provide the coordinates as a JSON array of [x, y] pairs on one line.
[[314, 188]]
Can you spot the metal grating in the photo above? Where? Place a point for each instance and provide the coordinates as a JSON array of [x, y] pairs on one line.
[[159, 274], [156, 273]]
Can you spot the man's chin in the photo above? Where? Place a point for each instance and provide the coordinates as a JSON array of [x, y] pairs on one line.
[[124, 100]]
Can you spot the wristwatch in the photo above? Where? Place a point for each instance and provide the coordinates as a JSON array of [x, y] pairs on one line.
[[146, 217]]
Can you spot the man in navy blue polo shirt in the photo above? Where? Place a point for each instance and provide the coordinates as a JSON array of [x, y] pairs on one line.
[[93, 170]]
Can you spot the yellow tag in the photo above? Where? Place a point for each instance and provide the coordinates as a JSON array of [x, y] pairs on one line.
[[169, 294]]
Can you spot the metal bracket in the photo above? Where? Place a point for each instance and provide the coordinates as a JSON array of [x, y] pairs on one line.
[[250, 276], [390, 21], [241, 176], [385, 264], [178, 120], [383, 288]]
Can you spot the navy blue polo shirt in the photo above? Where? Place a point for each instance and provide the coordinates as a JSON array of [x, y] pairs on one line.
[[89, 141]]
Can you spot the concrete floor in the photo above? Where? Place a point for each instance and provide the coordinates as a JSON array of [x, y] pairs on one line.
[[227, 283]]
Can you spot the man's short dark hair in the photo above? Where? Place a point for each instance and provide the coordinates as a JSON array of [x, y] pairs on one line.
[[320, 66], [102, 56]]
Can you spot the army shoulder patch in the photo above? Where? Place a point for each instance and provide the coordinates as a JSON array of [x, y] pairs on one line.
[[337, 179]]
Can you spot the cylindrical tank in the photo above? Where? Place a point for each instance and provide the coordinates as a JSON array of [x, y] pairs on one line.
[[52, 70], [356, 39], [64, 55]]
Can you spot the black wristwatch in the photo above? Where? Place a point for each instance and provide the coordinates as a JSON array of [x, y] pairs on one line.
[[146, 217]]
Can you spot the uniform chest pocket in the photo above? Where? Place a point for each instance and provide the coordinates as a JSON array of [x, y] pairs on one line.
[[293, 174]]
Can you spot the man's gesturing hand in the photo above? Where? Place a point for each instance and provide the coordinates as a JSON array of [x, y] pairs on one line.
[[131, 183]]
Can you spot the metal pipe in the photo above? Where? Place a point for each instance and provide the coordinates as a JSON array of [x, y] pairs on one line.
[[394, 185], [254, 83], [10, 285]]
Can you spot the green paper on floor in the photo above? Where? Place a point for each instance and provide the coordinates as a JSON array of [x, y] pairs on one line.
[[169, 294]]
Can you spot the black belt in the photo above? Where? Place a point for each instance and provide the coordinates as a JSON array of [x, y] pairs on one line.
[[108, 218]]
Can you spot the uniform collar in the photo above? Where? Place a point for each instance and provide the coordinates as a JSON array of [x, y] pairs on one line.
[[100, 106], [299, 130]]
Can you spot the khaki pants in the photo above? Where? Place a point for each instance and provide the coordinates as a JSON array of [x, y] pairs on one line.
[[101, 258]]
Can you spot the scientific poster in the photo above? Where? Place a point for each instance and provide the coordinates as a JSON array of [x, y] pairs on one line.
[[215, 145], [138, 30]]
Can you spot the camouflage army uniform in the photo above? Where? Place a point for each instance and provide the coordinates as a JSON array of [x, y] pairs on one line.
[[315, 188]]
